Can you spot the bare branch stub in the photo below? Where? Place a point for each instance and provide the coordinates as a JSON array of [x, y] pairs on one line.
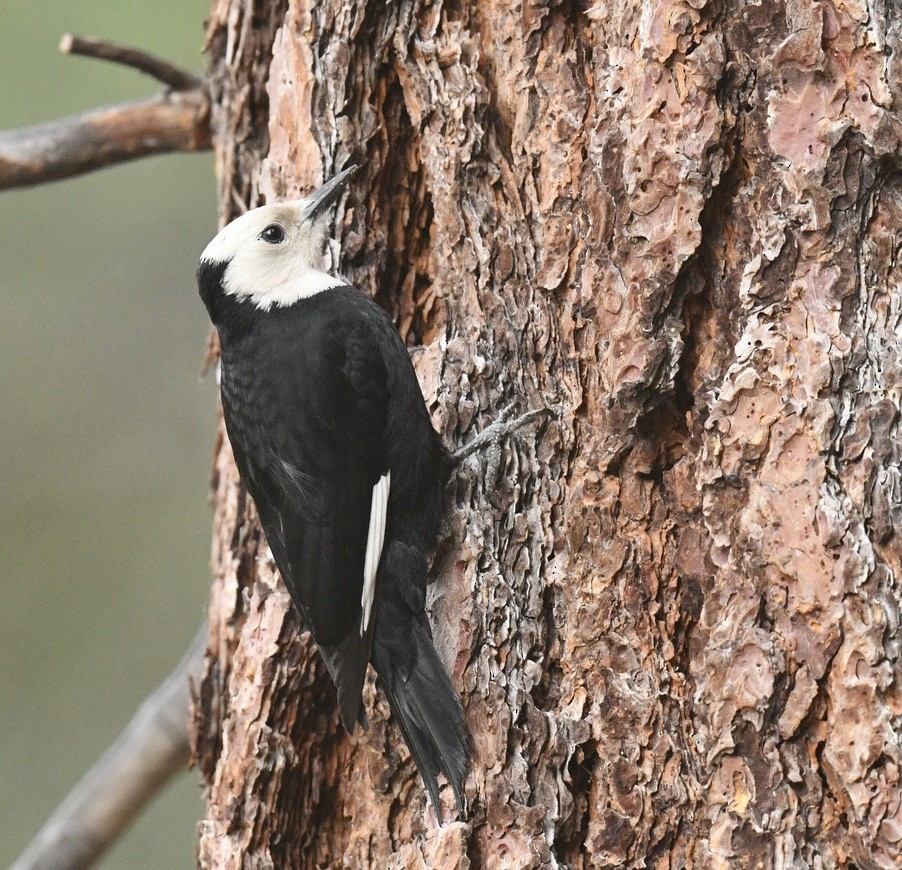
[[177, 120], [161, 70]]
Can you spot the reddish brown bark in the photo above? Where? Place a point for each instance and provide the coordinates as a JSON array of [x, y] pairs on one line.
[[673, 609]]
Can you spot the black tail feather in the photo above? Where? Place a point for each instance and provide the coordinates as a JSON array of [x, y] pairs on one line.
[[347, 663], [428, 711]]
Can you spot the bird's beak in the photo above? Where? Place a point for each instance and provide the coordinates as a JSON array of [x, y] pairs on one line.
[[322, 198]]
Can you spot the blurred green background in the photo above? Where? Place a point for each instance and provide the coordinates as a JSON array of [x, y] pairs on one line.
[[105, 428]]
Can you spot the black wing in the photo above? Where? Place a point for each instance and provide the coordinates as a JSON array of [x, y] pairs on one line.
[[322, 454]]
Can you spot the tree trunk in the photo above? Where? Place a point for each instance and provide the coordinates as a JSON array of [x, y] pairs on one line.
[[672, 608]]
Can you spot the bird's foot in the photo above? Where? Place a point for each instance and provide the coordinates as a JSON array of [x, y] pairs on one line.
[[501, 428]]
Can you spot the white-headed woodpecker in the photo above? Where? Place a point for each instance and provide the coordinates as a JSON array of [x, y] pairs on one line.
[[333, 441]]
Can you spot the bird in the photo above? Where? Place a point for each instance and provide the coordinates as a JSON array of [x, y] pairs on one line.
[[333, 441]]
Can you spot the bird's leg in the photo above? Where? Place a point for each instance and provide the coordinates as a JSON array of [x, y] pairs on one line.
[[501, 428]]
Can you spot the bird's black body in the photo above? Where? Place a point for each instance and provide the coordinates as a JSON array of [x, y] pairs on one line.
[[320, 402]]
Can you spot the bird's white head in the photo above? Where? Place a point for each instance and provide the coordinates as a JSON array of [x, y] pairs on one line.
[[271, 252]]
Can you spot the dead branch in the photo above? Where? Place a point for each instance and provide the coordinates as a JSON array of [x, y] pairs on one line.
[[177, 120], [83, 143], [161, 70], [153, 746]]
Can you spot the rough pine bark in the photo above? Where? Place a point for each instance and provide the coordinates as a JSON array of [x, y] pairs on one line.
[[673, 607]]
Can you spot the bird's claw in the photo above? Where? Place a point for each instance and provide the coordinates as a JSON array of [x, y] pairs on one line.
[[501, 428]]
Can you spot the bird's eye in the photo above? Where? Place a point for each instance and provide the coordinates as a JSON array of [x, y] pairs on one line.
[[273, 234]]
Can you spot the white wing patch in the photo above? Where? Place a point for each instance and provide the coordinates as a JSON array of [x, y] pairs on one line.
[[374, 539]]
